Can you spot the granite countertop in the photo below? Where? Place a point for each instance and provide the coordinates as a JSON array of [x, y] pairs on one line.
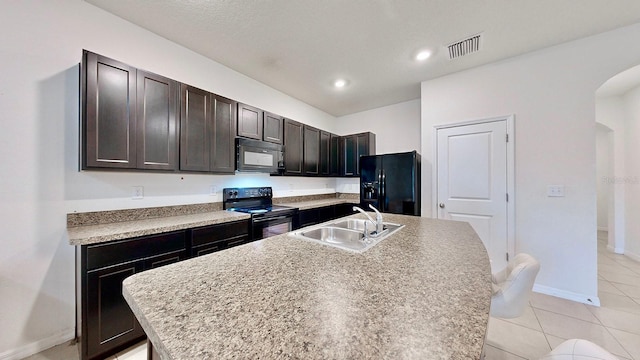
[[156, 221], [304, 205], [92, 234], [422, 293]]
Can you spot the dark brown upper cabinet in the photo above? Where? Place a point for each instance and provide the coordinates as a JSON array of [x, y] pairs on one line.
[[130, 117], [109, 116], [273, 128], [195, 129], [334, 156], [250, 122], [311, 152], [207, 131], [223, 155], [293, 147], [157, 123], [325, 153], [352, 147]]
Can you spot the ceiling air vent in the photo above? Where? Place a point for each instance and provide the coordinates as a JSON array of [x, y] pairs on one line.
[[464, 47]]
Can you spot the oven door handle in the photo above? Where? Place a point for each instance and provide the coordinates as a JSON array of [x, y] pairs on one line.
[[256, 221]]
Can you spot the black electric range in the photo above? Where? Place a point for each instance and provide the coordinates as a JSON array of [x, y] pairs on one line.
[[267, 219]]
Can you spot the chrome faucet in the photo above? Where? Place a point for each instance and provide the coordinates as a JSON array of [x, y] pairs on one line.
[[378, 223]]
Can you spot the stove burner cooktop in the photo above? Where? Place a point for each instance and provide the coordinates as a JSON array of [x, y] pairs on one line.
[[261, 210], [255, 201]]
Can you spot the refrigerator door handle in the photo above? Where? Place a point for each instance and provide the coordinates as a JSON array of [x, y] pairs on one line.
[[383, 187], [379, 185]]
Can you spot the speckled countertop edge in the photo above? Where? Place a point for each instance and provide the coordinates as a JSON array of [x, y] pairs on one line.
[[93, 234], [305, 205], [422, 293], [149, 221]]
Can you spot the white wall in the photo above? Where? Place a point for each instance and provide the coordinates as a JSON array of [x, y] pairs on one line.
[[631, 179], [397, 129], [551, 92], [40, 50], [603, 171], [611, 114]]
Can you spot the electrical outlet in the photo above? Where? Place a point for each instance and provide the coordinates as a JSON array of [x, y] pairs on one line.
[[213, 190], [555, 191], [138, 192]]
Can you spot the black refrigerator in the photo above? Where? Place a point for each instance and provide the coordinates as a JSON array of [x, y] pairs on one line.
[[391, 182]]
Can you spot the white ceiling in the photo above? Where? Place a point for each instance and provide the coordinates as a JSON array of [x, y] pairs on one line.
[[301, 46]]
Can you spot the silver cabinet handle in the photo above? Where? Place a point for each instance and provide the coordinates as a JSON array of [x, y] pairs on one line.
[[441, 205]]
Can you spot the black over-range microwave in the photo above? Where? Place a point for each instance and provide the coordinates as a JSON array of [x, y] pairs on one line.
[[259, 156]]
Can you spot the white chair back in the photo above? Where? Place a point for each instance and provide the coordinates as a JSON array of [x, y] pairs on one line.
[[579, 349], [513, 285]]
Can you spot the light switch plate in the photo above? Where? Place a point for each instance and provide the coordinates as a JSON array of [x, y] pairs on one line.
[[555, 191]]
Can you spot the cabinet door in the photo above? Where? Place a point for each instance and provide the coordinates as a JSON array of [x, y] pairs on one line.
[[110, 323], [109, 121], [273, 128], [164, 259], [326, 213], [325, 153], [157, 122], [306, 218], [249, 122], [311, 150], [208, 239], [293, 147], [349, 149], [342, 210], [195, 132], [366, 145], [223, 154], [334, 162]]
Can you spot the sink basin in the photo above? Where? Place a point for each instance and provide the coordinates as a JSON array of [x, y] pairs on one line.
[[339, 237], [355, 224], [346, 234]]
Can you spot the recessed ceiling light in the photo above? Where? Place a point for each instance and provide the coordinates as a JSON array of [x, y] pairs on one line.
[[423, 55], [340, 83]]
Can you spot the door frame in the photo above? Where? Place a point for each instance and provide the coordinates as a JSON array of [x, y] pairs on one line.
[[511, 183]]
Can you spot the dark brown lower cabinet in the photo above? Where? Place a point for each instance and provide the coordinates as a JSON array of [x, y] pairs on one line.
[[319, 215], [208, 239], [108, 324]]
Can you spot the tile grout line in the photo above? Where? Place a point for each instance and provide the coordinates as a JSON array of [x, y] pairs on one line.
[[542, 328]]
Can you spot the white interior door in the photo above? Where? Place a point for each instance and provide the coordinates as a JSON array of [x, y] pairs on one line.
[[472, 182]]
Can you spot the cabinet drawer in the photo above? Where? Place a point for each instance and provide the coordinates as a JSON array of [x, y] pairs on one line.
[[117, 252], [221, 232]]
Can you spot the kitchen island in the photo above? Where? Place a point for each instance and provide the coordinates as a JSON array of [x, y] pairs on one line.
[[423, 292]]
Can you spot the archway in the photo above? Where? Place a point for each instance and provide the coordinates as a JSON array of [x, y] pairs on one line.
[[617, 118]]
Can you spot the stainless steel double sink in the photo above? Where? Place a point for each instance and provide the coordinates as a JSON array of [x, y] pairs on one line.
[[347, 234]]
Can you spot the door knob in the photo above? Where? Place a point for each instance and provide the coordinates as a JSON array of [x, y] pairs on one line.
[[441, 205]]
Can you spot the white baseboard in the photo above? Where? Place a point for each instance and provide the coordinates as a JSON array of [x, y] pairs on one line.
[[632, 255], [40, 345], [615, 249], [581, 298]]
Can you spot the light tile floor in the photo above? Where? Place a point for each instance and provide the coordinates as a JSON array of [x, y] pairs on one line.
[[547, 322], [69, 351]]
